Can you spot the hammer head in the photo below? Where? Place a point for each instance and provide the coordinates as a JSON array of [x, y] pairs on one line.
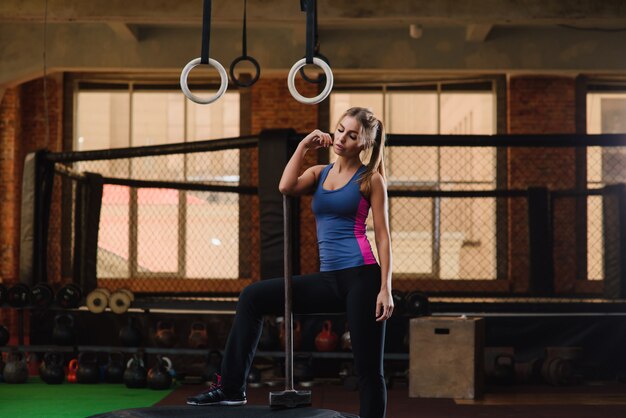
[[290, 398]]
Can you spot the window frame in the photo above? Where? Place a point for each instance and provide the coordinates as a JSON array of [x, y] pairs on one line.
[[75, 84], [496, 86]]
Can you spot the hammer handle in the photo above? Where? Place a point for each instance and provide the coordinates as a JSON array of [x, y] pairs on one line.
[[288, 297]]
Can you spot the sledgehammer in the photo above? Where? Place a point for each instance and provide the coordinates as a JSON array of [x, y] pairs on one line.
[[289, 398]]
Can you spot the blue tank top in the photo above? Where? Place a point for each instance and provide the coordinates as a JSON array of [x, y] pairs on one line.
[[340, 217]]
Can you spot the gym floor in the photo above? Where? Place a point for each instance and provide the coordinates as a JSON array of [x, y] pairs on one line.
[[607, 400], [584, 401]]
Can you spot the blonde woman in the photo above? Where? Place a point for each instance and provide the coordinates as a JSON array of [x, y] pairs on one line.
[[350, 279]]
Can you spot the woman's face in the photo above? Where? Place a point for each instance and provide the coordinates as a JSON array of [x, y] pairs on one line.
[[347, 142]]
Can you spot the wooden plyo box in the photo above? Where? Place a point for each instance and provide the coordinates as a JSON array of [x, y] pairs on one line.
[[446, 357]]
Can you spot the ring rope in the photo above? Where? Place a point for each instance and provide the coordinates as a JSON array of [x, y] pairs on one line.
[[204, 59]]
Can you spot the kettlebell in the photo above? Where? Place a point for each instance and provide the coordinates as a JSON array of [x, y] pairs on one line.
[[346, 341], [4, 335], [19, 295], [135, 375], [254, 377], [170, 368], [349, 380], [504, 368], [68, 297], [63, 332], [72, 367], [326, 340], [165, 335], [114, 370], [15, 370], [87, 371], [417, 304], [297, 335], [51, 369], [130, 334], [159, 377], [303, 368], [42, 295], [198, 337]]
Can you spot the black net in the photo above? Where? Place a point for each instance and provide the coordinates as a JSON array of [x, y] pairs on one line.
[[472, 217], [171, 223], [505, 216]]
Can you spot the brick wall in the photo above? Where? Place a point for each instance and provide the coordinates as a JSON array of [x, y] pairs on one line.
[[541, 105], [10, 126], [23, 130], [10, 133], [273, 107]]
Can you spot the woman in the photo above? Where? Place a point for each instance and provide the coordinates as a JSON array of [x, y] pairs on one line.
[[350, 280]]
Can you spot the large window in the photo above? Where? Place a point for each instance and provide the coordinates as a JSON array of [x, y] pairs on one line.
[[436, 238], [149, 232], [606, 114]]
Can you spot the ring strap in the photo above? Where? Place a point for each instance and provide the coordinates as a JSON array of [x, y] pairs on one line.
[[310, 6], [244, 37], [206, 32]]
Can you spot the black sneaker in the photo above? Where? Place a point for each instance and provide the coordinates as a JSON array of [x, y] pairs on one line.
[[216, 396]]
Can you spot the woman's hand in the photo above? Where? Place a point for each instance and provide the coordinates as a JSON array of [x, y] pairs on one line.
[[317, 139], [384, 305]]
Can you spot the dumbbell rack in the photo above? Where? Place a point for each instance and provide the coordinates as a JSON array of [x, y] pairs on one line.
[[180, 351], [197, 305], [147, 304], [177, 305]]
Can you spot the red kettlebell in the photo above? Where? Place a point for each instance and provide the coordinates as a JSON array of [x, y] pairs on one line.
[[165, 334], [72, 368], [198, 337], [326, 340]]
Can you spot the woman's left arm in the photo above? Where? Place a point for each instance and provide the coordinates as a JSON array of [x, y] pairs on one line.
[[380, 212]]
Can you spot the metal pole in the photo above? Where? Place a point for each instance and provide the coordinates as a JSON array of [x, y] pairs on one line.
[[289, 398], [288, 274]]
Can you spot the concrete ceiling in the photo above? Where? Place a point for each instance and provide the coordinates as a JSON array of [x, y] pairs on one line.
[[368, 39]]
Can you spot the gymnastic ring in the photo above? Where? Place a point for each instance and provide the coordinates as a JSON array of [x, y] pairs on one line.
[[185, 73], [237, 61], [319, 79], [292, 85]]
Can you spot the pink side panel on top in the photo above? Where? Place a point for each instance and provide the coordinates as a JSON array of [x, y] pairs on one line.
[[359, 232]]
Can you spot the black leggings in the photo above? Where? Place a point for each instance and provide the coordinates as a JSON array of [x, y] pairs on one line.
[[351, 290]]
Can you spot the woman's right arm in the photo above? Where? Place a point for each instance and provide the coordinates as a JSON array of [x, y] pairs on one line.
[[294, 185]]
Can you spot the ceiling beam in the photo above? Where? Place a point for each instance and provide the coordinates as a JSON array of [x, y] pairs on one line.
[[362, 51], [125, 32], [330, 12], [477, 33]]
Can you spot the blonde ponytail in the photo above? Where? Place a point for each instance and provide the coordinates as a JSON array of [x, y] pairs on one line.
[[376, 162]]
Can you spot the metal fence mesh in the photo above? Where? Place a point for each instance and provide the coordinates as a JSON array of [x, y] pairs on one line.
[[458, 227], [595, 239], [442, 238], [152, 232]]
